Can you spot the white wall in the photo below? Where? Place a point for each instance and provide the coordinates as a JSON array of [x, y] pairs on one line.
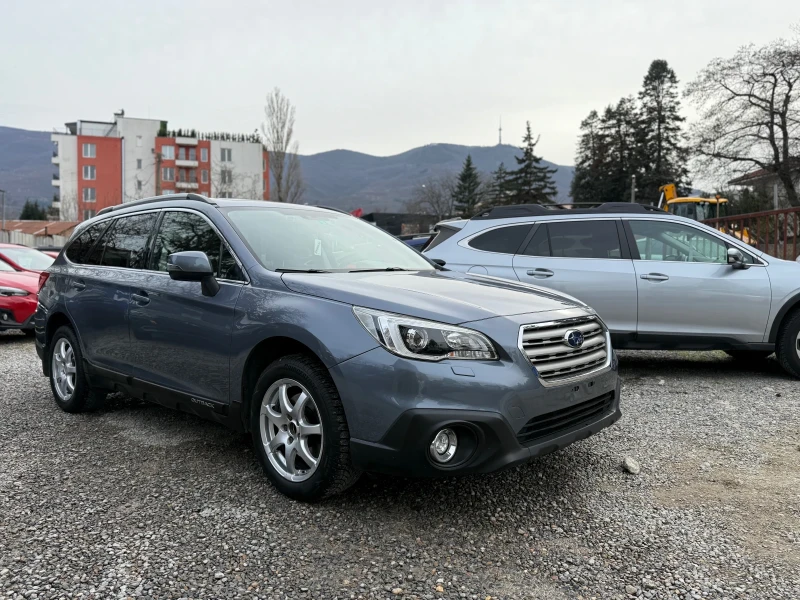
[[129, 130], [68, 171], [246, 165]]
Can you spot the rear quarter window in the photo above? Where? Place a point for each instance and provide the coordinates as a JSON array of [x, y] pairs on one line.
[[504, 240], [79, 249]]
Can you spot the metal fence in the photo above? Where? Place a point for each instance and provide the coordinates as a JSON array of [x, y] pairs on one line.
[[772, 231], [32, 241]]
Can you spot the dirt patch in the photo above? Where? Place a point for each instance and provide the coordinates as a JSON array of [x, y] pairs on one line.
[[761, 503]]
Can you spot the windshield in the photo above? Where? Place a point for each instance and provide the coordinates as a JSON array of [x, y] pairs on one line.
[[28, 258], [4, 266], [303, 240]]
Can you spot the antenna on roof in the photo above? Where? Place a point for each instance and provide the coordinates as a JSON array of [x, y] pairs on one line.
[[500, 132]]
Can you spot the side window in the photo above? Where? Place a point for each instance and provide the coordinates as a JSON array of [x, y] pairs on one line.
[[78, 251], [505, 240], [539, 244], [183, 231], [676, 242], [584, 239], [125, 242]]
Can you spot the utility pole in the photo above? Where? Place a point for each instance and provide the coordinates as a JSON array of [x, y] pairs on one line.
[[633, 188], [158, 173], [4, 210]]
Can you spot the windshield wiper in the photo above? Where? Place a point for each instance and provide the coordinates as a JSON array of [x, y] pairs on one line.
[[302, 271], [384, 269]]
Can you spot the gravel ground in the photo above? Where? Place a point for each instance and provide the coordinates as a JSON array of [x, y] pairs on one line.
[[138, 501]]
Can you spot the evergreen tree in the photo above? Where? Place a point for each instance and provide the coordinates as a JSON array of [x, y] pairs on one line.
[[467, 192], [31, 211], [662, 155], [619, 124], [591, 160], [498, 193], [532, 182]]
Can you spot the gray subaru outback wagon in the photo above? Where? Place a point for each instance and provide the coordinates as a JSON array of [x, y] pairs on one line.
[[337, 347]]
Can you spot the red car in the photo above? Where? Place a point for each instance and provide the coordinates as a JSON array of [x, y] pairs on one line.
[[18, 298], [22, 258]]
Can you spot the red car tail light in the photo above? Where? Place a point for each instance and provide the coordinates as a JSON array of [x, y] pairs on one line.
[[43, 277]]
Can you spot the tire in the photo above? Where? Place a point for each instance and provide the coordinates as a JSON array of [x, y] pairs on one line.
[[321, 411], [748, 355], [76, 395], [787, 348]]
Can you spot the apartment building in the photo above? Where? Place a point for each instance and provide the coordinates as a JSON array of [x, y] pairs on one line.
[[104, 163]]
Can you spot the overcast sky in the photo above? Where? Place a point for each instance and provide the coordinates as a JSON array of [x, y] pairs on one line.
[[367, 75]]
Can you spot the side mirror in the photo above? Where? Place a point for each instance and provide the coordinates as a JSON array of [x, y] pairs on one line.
[[193, 266], [736, 259]]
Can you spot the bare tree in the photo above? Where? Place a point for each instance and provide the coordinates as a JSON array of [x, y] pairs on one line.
[[278, 131], [435, 196], [227, 182], [750, 113]]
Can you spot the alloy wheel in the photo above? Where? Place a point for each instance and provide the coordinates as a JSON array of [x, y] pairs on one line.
[[63, 369], [291, 430]]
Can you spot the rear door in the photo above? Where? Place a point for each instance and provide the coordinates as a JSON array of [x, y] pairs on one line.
[[180, 338], [688, 289], [99, 287], [585, 259], [490, 252]]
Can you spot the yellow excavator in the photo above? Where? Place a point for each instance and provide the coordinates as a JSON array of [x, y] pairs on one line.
[[700, 209]]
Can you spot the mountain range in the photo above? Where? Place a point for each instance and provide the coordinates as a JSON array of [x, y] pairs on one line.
[[338, 178]]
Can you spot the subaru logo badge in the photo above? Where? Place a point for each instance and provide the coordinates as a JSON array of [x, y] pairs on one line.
[[573, 338]]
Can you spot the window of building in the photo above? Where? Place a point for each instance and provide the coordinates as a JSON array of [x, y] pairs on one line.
[[192, 154], [181, 153], [263, 164], [138, 141], [88, 214], [225, 195], [181, 232], [168, 173], [89, 150], [506, 240], [125, 243], [182, 175], [167, 192], [89, 194], [168, 152], [204, 175], [203, 154], [89, 172], [225, 154], [138, 185], [226, 176], [138, 163], [192, 176]]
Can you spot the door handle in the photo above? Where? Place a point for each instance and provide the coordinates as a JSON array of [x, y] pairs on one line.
[[142, 299], [79, 285], [655, 277], [540, 273]]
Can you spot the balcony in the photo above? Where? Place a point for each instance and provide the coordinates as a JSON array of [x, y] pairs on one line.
[[183, 162], [186, 185], [186, 141], [56, 180]]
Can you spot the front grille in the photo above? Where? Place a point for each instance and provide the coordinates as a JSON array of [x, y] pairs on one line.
[[548, 424], [554, 360]]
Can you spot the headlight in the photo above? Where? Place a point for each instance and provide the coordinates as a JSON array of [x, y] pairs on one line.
[[424, 340], [9, 291]]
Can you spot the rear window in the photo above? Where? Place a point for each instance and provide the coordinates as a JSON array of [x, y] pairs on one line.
[[505, 240], [78, 251]]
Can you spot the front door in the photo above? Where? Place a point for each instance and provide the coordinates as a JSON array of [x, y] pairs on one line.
[[585, 259], [687, 288], [180, 338]]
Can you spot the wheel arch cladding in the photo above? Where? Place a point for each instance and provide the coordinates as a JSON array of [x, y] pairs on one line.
[[57, 320], [792, 304]]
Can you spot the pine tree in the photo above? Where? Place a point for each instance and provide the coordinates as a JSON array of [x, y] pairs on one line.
[[663, 153], [498, 193], [532, 182], [31, 211], [467, 193], [591, 159]]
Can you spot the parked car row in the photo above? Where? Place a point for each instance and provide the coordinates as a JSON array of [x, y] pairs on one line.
[[657, 280], [19, 283]]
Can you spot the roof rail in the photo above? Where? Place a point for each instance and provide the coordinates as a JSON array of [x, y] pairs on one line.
[[530, 210], [189, 196]]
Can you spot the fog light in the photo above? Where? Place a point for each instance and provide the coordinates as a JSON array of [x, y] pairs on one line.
[[444, 445]]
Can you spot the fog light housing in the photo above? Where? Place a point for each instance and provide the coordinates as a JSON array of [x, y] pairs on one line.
[[444, 445]]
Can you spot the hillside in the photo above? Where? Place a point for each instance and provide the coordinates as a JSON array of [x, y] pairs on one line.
[[339, 178]]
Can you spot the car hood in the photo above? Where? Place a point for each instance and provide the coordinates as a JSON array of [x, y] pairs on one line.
[[446, 296], [23, 280]]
